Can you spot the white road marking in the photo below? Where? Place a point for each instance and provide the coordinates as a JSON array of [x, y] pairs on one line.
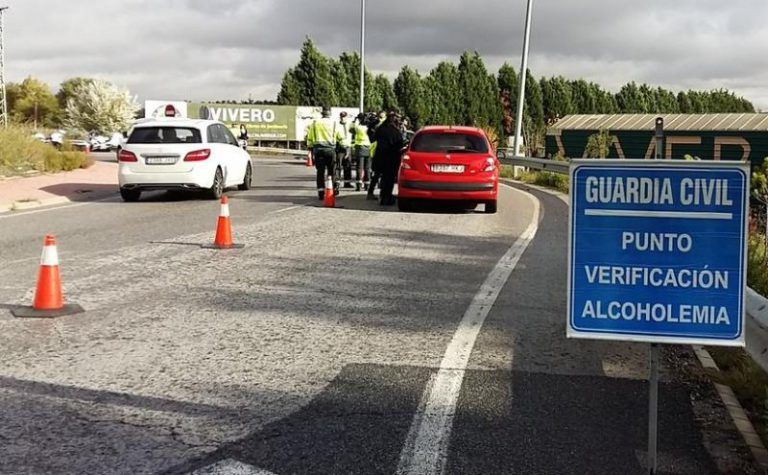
[[13, 214], [426, 448], [283, 210], [231, 467]]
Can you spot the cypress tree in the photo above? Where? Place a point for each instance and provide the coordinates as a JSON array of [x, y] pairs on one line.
[[441, 88], [290, 90], [478, 93], [385, 89], [410, 95], [313, 74]]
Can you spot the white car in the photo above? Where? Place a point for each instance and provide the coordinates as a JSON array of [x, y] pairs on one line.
[[182, 154]]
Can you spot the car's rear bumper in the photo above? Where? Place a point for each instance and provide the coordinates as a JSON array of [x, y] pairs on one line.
[[480, 190], [447, 186], [186, 180]]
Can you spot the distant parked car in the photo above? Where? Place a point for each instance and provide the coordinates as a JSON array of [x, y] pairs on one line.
[[182, 154], [449, 163]]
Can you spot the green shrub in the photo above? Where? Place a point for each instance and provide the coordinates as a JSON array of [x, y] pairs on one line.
[[20, 152], [56, 161], [546, 179]]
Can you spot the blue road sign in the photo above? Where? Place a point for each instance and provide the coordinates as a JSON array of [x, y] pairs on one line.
[[658, 251]]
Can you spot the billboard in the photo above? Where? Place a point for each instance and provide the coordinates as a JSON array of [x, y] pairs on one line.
[[264, 122]]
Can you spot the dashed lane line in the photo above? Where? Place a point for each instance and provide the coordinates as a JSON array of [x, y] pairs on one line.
[[426, 448]]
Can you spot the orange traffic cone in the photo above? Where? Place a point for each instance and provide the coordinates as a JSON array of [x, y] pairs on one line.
[[223, 238], [329, 199], [309, 159], [49, 301]]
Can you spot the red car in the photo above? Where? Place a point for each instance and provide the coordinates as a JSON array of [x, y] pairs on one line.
[[449, 163]]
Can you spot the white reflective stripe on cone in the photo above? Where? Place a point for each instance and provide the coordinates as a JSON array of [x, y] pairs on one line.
[[50, 256], [224, 211]]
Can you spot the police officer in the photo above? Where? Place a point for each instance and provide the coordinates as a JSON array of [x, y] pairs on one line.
[[389, 142], [361, 151], [323, 136], [343, 156]]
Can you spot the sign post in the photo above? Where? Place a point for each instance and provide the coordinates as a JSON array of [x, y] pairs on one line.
[[657, 254]]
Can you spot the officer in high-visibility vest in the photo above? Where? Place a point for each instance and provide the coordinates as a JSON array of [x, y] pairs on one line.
[[323, 136], [361, 151], [343, 151]]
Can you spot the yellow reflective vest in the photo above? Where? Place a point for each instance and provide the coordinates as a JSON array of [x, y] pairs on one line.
[[360, 135], [323, 133]]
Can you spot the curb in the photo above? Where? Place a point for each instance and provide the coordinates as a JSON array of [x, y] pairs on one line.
[[26, 205], [735, 409]]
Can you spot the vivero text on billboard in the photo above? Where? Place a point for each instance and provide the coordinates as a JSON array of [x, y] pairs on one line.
[[658, 251]]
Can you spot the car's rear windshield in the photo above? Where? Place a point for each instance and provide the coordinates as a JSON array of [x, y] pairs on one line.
[[448, 142], [144, 135]]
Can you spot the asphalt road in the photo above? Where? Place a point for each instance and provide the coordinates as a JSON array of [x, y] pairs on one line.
[[314, 348]]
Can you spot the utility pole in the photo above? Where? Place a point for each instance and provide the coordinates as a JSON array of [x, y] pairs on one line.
[[523, 75], [362, 57], [3, 96]]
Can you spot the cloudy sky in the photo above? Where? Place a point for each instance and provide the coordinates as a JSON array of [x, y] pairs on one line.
[[217, 49]]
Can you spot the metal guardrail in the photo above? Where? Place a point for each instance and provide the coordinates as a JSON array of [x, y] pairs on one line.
[[756, 305], [541, 164]]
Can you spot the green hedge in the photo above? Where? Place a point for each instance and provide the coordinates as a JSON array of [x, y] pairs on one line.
[[20, 152]]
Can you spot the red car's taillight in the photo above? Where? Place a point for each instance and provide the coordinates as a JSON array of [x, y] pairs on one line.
[[126, 156], [490, 164], [198, 155], [405, 163]]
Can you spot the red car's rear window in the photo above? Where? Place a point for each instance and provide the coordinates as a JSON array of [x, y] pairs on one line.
[[449, 142]]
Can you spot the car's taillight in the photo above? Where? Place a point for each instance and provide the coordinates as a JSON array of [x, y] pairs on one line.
[[198, 155], [490, 164], [406, 162], [126, 156]]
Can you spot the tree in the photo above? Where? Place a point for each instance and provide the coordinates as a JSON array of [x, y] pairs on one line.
[[345, 95], [35, 103], [441, 88], [12, 94], [478, 94], [387, 93], [507, 81], [100, 106], [599, 144], [534, 102], [584, 97], [67, 89], [631, 100], [557, 98], [410, 95], [349, 67], [313, 75], [666, 102], [290, 89]]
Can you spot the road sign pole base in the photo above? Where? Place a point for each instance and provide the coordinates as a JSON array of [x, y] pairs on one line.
[[29, 312]]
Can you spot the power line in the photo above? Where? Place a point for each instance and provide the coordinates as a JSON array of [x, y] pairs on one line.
[[3, 95]]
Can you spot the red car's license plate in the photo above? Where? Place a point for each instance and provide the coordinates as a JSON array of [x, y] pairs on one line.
[[443, 168]]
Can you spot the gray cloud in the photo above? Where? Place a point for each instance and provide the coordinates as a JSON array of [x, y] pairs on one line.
[[208, 49]]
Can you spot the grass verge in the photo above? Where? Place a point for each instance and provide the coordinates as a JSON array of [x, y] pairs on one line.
[[737, 369], [20, 152], [547, 179]]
